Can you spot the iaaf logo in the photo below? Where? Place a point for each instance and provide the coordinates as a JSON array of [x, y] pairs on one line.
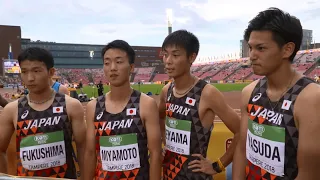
[[41, 139], [258, 129], [173, 123], [116, 140]]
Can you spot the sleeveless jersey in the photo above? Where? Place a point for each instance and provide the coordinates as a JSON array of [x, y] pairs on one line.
[[272, 135], [185, 134], [121, 142], [56, 86], [43, 140]]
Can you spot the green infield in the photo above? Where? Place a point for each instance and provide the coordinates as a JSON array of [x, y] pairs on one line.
[[156, 88]]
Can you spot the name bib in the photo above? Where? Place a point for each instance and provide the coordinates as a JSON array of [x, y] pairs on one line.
[[178, 136], [119, 153], [265, 147], [43, 151]]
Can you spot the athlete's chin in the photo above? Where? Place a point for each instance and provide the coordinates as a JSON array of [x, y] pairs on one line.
[[117, 84], [259, 72]]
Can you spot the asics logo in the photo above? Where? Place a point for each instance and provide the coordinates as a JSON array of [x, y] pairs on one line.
[[99, 115], [256, 97], [25, 114]]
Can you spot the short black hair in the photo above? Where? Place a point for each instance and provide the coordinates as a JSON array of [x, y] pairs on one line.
[[284, 27], [122, 45], [183, 39], [37, 54]]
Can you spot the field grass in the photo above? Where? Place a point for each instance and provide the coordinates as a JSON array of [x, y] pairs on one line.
[[156, 88]]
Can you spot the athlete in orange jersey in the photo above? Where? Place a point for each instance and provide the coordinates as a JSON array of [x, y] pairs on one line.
[[44, 122], [122, 125], [280, 113], [188, 106]]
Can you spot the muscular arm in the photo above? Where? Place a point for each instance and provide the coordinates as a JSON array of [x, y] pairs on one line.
[[151, 120], [6, 129], [90, 153], [3, 102], [239, 157], [75, 111], [230, 118], [162, 112], [307, 113]]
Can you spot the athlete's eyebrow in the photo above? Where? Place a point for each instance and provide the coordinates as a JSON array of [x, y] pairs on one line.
[[256, 45]]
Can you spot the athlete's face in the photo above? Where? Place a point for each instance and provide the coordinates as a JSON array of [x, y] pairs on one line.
[[265, 54], [35, 75], [117, 68], [176, 61]]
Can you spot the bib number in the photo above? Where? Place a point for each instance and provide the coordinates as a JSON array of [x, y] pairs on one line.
[[178, 136], [119, 153], [43, 151], [265, 147]]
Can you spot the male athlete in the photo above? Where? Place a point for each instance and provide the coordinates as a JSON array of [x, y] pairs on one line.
[[187, 109], [280, 113], [44, 122], [58, 87], [122, 125]]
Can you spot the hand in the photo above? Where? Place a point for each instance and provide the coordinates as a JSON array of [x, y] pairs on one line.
[[203, 165]]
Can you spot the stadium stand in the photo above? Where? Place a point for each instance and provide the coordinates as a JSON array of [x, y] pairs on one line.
[[306, 62]]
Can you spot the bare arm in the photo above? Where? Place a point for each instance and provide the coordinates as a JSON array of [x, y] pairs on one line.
[[162, 112], [307, 112], [227, 115], [64, 90], [6, 129], [75, 111], [215, 101], [3, 102], [151, 120], [239, 157], [90, 156]]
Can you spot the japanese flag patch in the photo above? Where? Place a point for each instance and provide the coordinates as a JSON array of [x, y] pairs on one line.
[[190, 101], [131, 111], [58, 109], [286, 105]]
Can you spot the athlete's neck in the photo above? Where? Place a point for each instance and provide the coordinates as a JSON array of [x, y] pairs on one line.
[[51, 82], [40, 96], [282, 77], [120, 93], [184, 82]]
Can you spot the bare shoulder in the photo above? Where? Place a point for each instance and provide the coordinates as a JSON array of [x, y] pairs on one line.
[[165, 88], [72, 101], [92, 103], [209, 90], [147, 101], [309, 97], [12, 106], [74, 106], [10, 111], [249, 88]]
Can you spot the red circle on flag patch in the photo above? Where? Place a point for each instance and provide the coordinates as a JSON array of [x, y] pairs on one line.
[[131, 111], [58, 109], [190, 101]]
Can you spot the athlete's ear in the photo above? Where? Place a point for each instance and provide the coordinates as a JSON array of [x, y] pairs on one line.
[[131, 68], [51, 72], [288, 50], [192, 58]]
